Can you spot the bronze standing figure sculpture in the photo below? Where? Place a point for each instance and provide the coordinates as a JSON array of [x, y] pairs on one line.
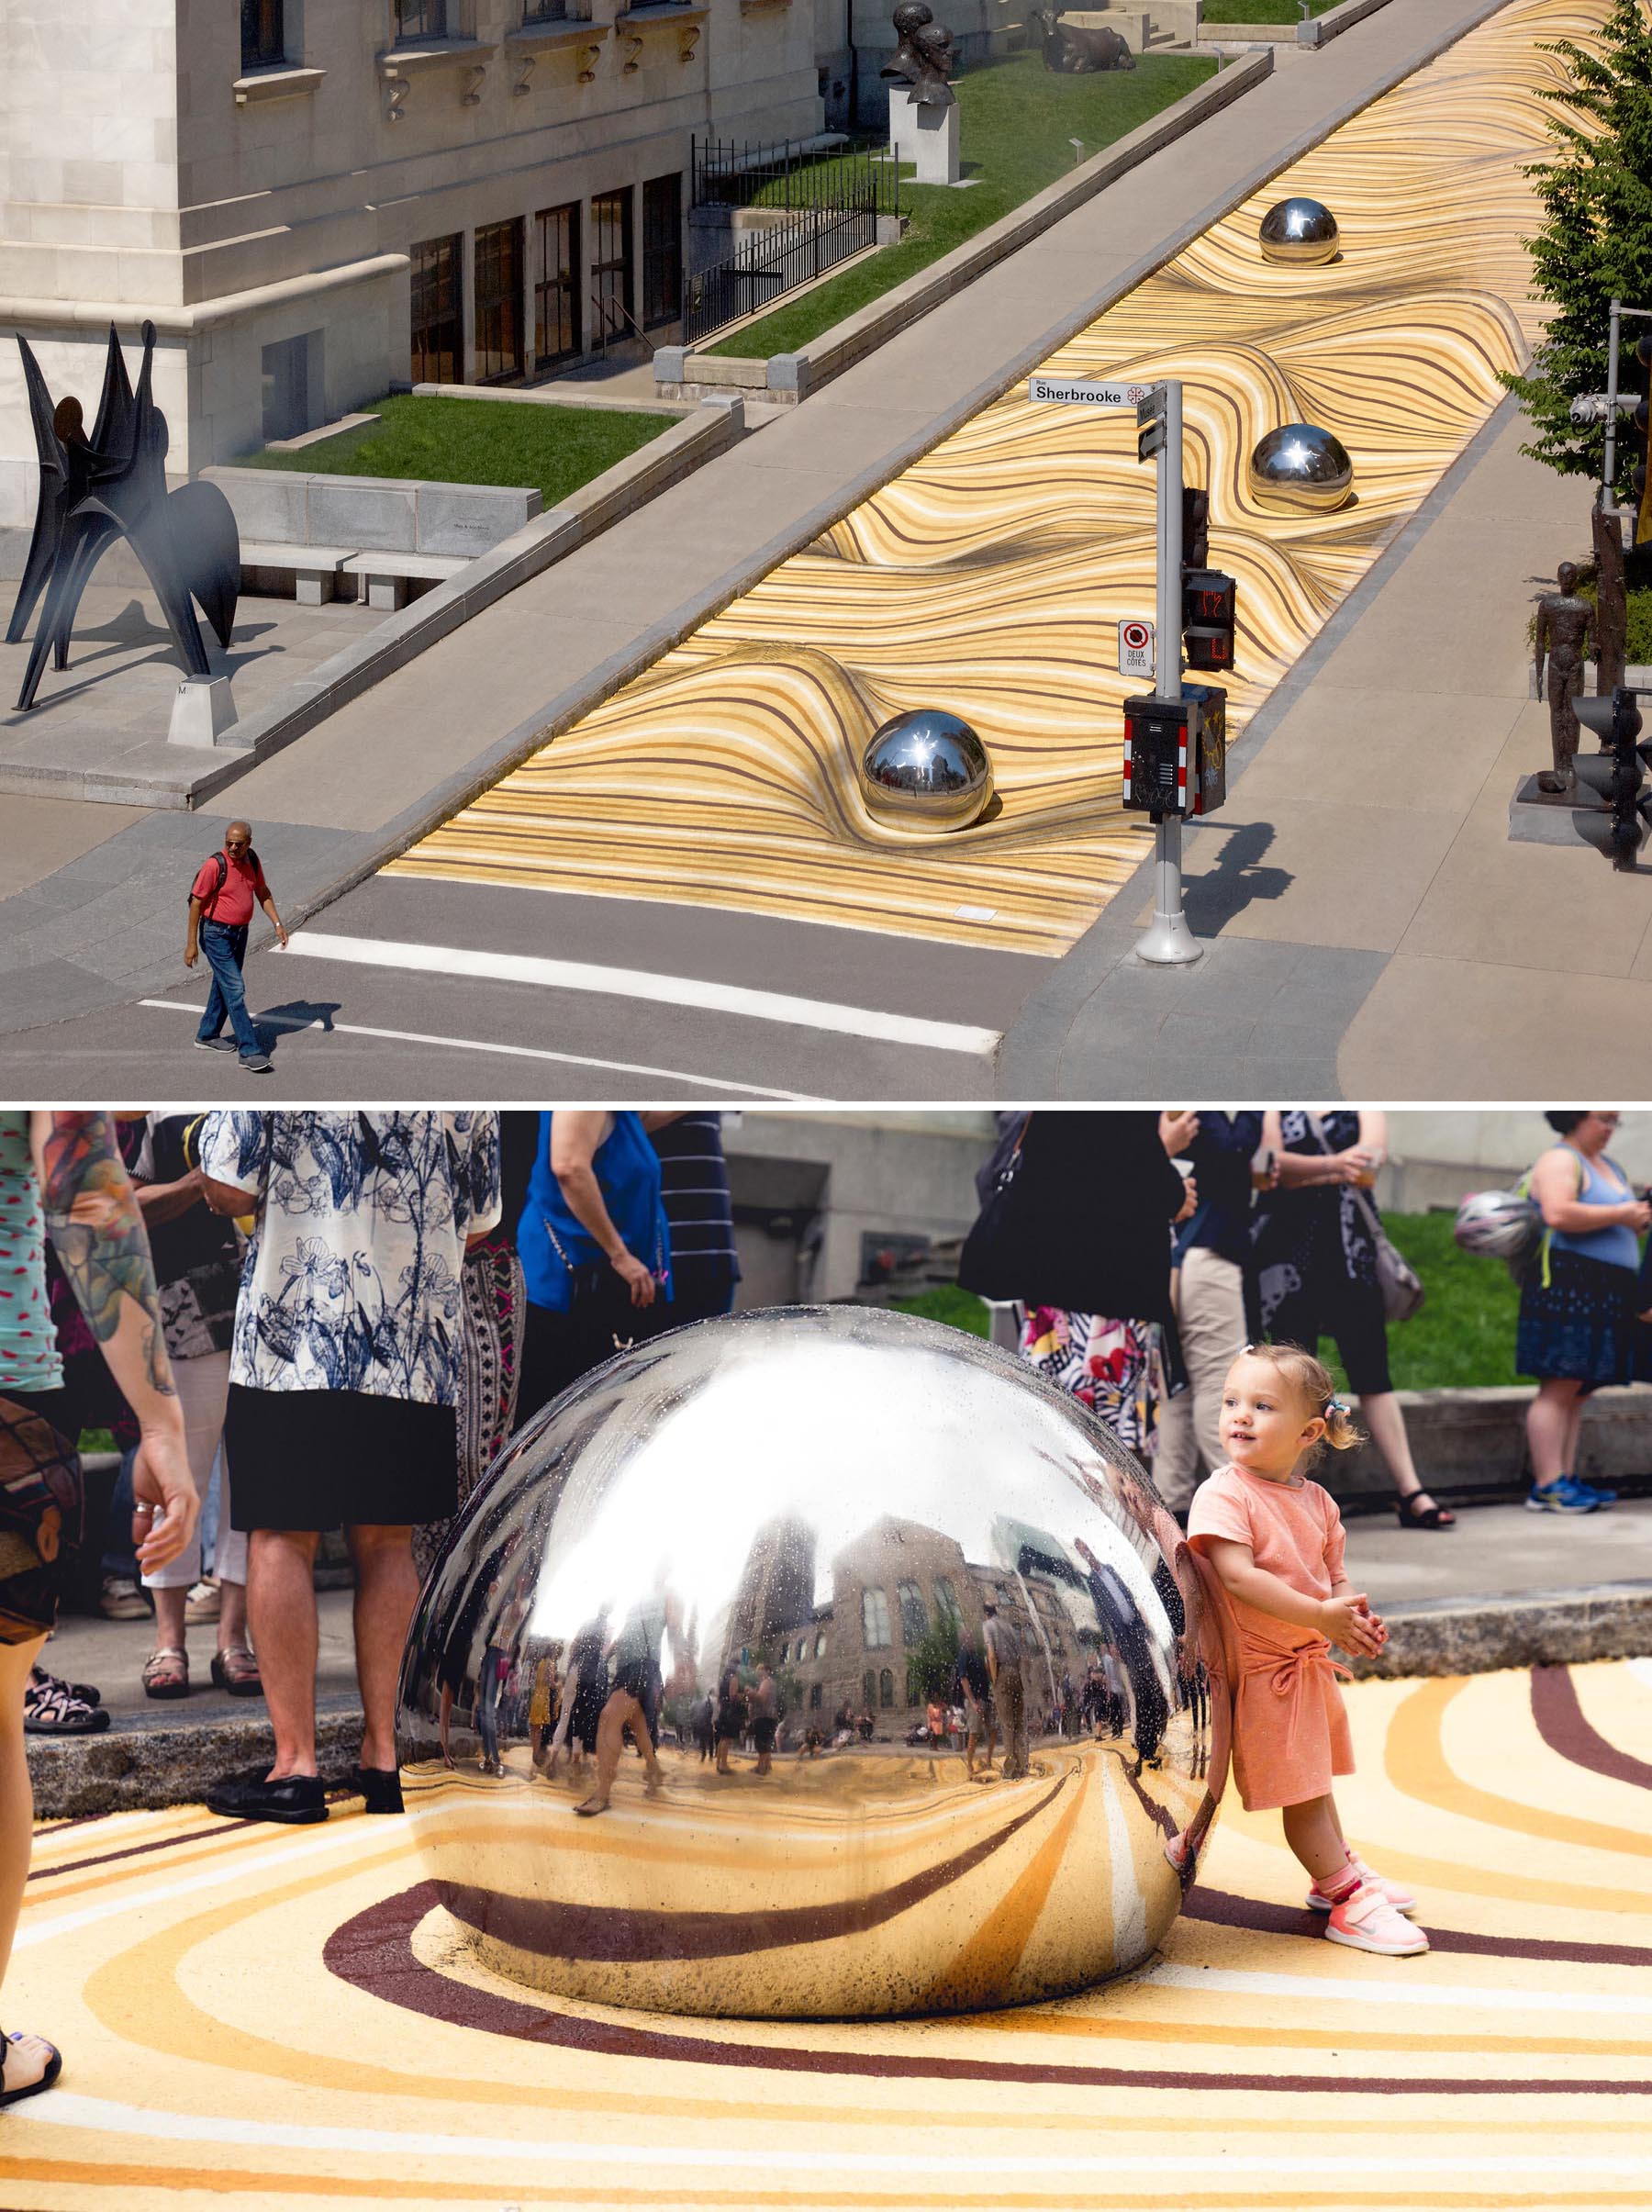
[[1611, 603], [113, 484], [924, 58], [1565, 629]]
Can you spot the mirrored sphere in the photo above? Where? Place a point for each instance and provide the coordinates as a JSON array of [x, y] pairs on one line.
[[802, 1527], [1298, 229], [1303, 469], [925, 770]]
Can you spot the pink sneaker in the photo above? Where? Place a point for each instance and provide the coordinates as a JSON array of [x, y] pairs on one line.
[[1366, 1921], [1395, 1892], [1176, 1851]]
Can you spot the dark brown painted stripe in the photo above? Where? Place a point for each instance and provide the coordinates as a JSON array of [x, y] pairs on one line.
[[137, 1850], [1228, 1911], [551, 1928], [373, 1951], [1562, 1726]]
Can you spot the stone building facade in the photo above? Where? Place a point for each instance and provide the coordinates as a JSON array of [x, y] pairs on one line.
[[314, 199]]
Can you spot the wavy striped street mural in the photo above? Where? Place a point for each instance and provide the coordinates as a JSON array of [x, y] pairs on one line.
[[254, 2016], [986, 578]]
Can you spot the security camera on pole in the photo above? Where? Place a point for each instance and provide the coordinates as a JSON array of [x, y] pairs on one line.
[[1175, 739]]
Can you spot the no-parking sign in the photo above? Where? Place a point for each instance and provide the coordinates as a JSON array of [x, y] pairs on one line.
[[1136, 647]]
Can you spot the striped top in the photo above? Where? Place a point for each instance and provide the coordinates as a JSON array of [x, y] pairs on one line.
[[694, 1183]]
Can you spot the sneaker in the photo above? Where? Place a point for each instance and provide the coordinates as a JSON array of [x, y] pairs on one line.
[[1366, 1921], [257, 1064], [204, 1603], [215, 1044], [1567, 1495], [122, 1600], [1397, 1894]]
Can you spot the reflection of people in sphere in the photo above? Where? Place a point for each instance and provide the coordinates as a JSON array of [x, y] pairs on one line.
[[633, 1703]]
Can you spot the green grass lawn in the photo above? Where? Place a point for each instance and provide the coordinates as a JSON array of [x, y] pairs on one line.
[[1463, 1339], [1015, 122], [1271, 12], [554, 448]]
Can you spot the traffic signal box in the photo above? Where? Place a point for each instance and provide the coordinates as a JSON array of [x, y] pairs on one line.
[[1176, 753], [1208, 608], [1616, 774]]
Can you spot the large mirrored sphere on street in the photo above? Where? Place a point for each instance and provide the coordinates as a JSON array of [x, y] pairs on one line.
[[1302, 469], [925, 770], [1298, 229], [780, 1545]]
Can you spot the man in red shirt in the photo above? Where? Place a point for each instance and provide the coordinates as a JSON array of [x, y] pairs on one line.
[[220, 911]]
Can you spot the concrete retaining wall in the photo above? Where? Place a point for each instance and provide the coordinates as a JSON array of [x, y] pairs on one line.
[[373, 514], [1336, 20], [1471, 1443], [789, 377]]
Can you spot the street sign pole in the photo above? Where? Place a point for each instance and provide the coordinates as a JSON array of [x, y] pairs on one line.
[[1167, 942]]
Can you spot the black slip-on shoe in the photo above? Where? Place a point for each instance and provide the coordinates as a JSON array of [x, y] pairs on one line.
[[381, 1787], [296, 1798]]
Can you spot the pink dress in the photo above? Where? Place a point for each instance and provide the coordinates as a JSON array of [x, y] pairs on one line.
[[1291, 1732]]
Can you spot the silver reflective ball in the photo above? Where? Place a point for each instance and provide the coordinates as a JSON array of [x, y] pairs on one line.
[[1301, 468], [835, 1494], [1298, 229], [925, 770]]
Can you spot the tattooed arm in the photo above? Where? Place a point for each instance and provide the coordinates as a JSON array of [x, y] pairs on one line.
[[93, 1219]]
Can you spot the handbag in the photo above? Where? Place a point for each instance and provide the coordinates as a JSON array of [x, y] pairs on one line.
[[992, 1263], [1401, 1287]]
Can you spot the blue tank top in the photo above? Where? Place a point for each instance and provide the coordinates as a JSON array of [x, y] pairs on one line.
[[1615, 1243], [627, 1170]]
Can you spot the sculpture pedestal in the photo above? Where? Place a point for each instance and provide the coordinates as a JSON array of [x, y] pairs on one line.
[[201, 708], [926, 135]]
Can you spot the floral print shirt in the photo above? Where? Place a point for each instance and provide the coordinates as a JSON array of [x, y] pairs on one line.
[[352, 1280], [28, 1351]]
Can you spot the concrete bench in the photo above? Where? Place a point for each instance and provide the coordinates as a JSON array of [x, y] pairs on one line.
[[315, 569], [388, 574]]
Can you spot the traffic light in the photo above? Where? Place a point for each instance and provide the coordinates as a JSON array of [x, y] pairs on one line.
[[1176, 753], [1196, 528], [1209, 602], [1616, 774]]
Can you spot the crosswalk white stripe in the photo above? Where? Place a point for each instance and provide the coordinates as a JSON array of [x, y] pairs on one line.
[[1334, 1988], [718, 1086], [634, 983]]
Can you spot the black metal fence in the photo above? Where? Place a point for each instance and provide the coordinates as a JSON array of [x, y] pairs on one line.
[[829, 203], [730, 173]]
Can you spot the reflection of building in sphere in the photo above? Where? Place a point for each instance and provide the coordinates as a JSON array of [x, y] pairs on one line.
[[839, 1493], [1298, 229], [926, 770], [1302, 469]]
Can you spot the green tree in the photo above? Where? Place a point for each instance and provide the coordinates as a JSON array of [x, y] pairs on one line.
[[1597, 242], [930, 1663]]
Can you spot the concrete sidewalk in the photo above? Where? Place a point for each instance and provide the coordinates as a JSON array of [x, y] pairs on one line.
[[102, 929]]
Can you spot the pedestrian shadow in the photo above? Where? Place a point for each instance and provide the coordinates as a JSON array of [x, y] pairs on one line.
[[1213, 899], [296, 1014]]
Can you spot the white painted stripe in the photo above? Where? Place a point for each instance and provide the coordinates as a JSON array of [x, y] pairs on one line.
[[65, 2108], [723, 1086], [662, 990], [1333, 1989], [1642, 1671]]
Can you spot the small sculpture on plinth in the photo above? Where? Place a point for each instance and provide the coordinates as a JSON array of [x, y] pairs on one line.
[[1612, 598], [113, 484], [924, 59], [1075, 52], [1565, 630]]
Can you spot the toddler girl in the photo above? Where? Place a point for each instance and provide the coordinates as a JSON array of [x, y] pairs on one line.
[[1273, 1541]]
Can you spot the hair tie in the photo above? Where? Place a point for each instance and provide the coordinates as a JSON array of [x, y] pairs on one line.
[[1335, 1405]]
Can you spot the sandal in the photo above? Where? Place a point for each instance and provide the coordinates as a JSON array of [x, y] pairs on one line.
[[1412, 1515], [235, 1669], [591, 1807], [54, 2066], [87, 1692], [51, 1708], [166, 1672]]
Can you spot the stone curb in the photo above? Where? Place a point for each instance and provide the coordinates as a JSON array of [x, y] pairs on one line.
[[132, 1768], [793, 377]]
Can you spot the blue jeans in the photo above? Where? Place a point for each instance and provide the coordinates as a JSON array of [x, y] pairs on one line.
[[225, 945]]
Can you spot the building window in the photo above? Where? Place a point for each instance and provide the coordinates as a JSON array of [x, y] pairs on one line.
[[874, 1620], [543, 11], [914, 1614], [820, 1647], [611, 264], [419, 19], [439, 310], [885, 1689], [814, 1697], [499, 301], [662, 251], [946, 1601], [868, 1691], [263, 34], [556, 301]]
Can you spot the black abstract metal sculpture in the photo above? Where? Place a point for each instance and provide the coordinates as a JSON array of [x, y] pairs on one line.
[[113, 484]]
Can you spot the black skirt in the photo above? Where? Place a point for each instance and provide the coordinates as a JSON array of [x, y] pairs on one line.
[[1579, 1326], [319, 1459]]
